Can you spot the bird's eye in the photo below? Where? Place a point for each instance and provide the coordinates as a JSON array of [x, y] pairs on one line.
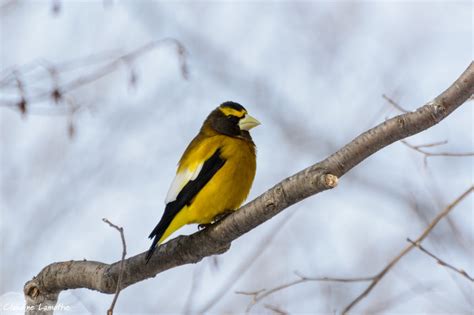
[[233, 119]]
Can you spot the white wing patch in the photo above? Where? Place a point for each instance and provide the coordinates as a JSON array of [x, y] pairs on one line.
[[180, 180]]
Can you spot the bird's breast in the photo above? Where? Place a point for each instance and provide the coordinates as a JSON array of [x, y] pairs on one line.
[[230, 186]]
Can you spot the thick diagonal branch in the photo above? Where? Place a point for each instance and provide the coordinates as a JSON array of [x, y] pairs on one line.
[[53, 279]]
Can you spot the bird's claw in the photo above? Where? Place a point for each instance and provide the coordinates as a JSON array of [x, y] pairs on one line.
[[216, 219], [222, 216], [204, 226]]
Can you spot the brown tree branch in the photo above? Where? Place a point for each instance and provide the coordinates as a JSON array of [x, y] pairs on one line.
[[440, 261], [110, 311], [56, 277], [419, 147], [395, 260]]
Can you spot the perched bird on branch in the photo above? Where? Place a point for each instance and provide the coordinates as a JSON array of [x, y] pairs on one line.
[[214, 174]]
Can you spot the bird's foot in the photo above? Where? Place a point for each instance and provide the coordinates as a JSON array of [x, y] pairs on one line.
[[216, 219], [204, 226], [222, 216]]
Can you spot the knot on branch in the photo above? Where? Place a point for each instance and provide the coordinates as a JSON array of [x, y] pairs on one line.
[[31, 289], [279, 194], [329, 180], [38, 300], [401, 122], [437, 109]]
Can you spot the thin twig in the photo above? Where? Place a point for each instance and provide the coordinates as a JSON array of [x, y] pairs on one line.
[[110, 311], [412, 292], [250, 292], [276, 310], [394, 104], [432, 144], [440, 261], [428, 154], [423, 235], [107, 68], [263, 293], [418, 147]]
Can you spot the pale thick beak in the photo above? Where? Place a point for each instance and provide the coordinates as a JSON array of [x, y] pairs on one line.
[[248, 122]]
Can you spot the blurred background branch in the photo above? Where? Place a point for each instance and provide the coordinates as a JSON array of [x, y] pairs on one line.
[[261, 294], [395, 260], [440, 261], [427, 154], [26, 87]]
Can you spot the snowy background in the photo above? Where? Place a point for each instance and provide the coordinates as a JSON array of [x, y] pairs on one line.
[[312, 72]]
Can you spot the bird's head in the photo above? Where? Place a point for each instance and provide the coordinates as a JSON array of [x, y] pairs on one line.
[[231, 119]]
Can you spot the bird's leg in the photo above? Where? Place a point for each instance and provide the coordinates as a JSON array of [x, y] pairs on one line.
[[216, 219]]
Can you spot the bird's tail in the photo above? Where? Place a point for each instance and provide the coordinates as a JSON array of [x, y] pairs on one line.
[[170, 222], [156, 235]]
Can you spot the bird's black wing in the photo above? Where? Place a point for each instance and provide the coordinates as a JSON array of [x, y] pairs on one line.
[[185, 196]]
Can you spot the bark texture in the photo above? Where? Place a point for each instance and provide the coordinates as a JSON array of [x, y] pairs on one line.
[[45, 287]]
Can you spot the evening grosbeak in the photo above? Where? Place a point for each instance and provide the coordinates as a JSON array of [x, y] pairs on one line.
[[214, 174]]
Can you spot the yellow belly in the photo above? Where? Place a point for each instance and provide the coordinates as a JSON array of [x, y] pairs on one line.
[[226, 190]]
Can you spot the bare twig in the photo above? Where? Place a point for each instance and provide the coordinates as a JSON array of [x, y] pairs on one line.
[[395, 104], [259, 295], [110, 311], [418, 148], [276, 310], [250, 292], [440, 261], [21, 79], [423, 235], [427, 154], [432, 144], [108, 66]]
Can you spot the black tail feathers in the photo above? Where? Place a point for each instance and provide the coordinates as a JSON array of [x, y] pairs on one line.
[[156, 234], [151, 250]]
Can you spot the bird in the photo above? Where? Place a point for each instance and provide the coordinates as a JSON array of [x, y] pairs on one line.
[[214, 174]]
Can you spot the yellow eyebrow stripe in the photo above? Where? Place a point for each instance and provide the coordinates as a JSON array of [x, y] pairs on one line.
[[230, 111]]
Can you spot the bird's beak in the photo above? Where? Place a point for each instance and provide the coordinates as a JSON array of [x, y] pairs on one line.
[[248, 122]]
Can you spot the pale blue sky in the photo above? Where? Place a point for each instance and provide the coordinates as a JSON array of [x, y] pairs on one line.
[[313, 73]]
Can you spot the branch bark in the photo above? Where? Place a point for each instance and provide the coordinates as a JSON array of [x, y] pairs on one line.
[[56, 277]]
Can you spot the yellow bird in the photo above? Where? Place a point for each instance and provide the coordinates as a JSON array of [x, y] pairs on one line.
[[214, 174]]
